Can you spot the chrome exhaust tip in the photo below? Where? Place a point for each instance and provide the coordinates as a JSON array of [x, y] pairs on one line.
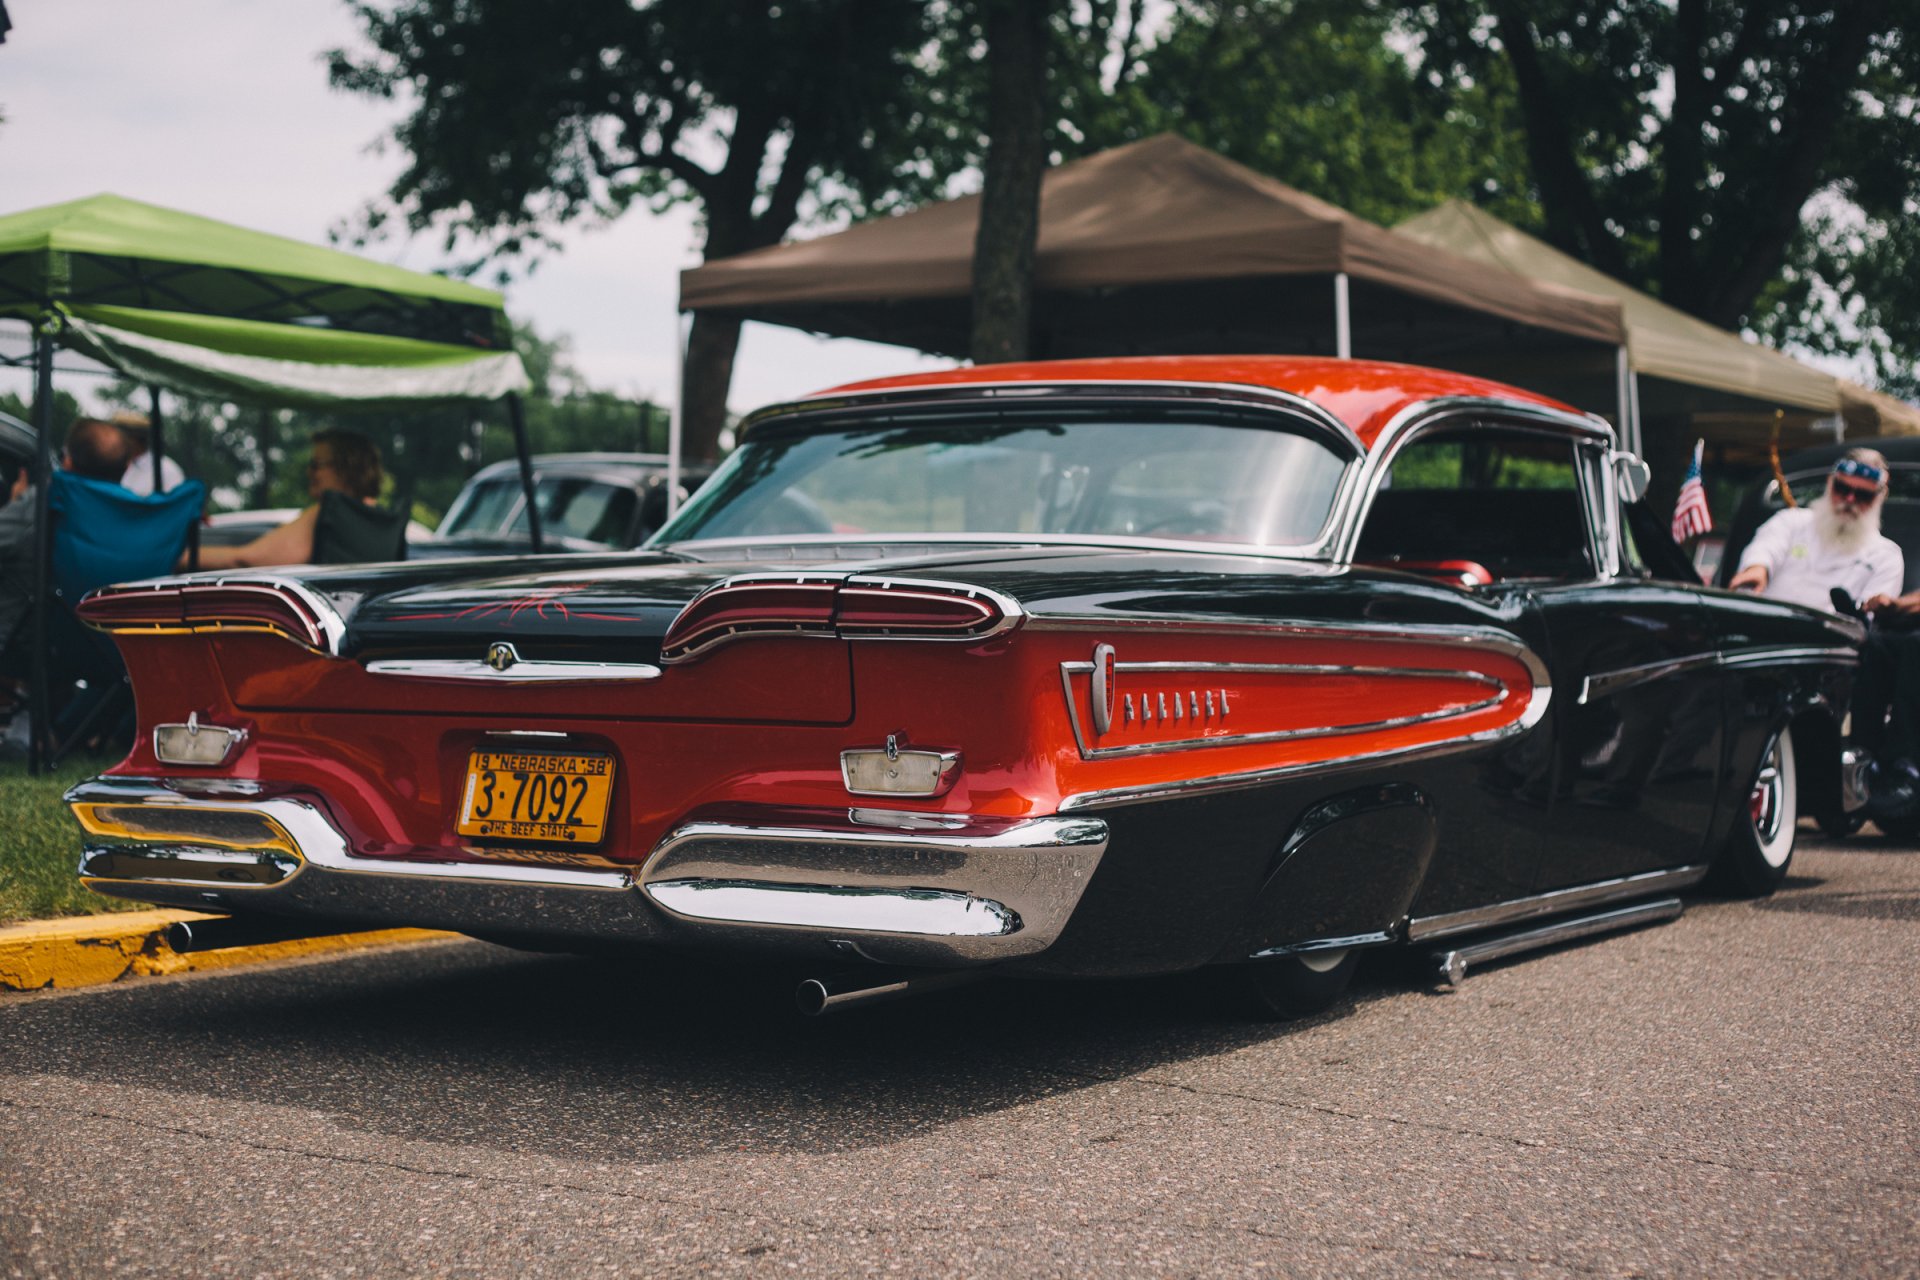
[[817, 997]]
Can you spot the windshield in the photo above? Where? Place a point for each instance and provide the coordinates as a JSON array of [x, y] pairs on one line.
[[1213, 482], [570, 507]]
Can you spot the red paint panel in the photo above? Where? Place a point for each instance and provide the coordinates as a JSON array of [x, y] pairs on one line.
[[1364, 394]]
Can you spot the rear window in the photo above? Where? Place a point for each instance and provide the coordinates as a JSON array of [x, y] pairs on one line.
[[1249, 484]]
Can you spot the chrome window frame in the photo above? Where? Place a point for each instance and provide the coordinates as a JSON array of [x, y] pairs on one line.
[[1584, 432], [1296, 409]]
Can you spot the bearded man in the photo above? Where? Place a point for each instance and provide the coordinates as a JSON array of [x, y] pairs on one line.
[[1802, 553]]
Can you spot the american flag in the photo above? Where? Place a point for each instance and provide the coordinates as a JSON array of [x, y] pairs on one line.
[[1690, 515]]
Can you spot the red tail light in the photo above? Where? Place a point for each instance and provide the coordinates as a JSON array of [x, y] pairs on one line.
[[851, 609], [920, 611], [740, 608], [276, 607]]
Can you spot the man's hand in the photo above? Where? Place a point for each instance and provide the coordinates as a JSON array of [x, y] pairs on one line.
[[19, 490], [1752, 578], [1906, 606]]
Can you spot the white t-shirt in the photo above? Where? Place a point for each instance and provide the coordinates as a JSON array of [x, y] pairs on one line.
[[1801, 569], [139, 477]]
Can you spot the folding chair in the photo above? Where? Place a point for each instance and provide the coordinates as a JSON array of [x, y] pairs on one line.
[[103, 533]]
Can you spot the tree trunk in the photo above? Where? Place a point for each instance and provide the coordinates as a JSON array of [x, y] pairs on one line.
[[711, 346], [1010, 200]]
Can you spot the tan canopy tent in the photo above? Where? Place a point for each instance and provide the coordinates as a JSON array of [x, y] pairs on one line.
[[1164, 247], [1725, 388]]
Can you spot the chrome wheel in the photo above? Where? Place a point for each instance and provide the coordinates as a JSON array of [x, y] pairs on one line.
[[1774, 804]]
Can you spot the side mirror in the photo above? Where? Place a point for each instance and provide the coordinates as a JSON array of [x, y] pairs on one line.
[[1631, 476]]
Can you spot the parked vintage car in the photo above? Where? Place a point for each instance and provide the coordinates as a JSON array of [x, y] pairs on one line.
[[1077, 669], [587, 502]]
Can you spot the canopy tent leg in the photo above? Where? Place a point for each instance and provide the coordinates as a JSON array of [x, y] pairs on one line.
[[157, 437], [1342, 318], [1623, 399], [1633, 408], [675, 419], [40, 696], [517, 414]]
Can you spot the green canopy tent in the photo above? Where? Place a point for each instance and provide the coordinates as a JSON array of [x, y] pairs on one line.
[[193, 305]]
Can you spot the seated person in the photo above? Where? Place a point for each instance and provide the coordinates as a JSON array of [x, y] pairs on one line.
[[1799, 555], [343, 462], [138, 429], [95, 449]]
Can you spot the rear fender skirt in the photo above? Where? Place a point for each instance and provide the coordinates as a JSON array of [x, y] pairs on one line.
[[1348, 871], [1252, 705]]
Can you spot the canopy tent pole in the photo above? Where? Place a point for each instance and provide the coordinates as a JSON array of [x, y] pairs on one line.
[[1633, 405], [1342, 318], [675, 419], [518, 414], [157, 437], [40, 696], [1622, 410]]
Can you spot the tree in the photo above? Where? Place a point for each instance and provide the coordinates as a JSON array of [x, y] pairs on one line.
[[1745, 161], [1017, 36], [524, 115], [1321, 95]]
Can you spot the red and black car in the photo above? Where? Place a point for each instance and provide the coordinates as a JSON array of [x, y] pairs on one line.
[[1071, 669]]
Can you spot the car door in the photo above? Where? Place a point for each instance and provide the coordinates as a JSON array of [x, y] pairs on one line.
[[1638, 715]]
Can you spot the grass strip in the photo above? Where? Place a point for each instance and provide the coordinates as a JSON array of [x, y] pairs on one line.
[[40, 845]]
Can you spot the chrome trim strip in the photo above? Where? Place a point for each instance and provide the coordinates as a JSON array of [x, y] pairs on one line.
[[1765, 657], [1546, 904], [1375, 939], [1602, 683], [476, 671], [1068, 670], [928, 913]]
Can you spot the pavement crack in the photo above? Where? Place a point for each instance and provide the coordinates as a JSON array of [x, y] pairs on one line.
[[1463, 1131]]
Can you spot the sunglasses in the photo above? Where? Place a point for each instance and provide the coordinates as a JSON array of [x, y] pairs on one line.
[[1853, 492]]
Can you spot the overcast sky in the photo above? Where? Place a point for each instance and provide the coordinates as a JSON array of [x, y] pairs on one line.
[[221, 108]]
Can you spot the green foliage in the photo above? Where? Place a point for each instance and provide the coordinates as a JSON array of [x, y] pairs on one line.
[[1317, 94], [1756, 164], [524, 114]]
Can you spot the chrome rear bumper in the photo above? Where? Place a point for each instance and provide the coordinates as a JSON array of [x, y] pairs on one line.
[[896, 888]]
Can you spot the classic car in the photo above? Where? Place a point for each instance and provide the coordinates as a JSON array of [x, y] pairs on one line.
[[1073, 669], [587, 502]]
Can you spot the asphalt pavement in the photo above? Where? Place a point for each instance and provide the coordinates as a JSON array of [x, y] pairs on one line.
[[1737, 1093]]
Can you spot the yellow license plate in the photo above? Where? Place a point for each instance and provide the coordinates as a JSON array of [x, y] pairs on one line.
[[549, 797]]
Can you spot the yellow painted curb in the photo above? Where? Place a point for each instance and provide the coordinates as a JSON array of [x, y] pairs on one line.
[[85, 950]]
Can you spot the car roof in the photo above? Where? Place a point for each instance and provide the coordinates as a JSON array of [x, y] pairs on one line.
[[1364, 394]]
